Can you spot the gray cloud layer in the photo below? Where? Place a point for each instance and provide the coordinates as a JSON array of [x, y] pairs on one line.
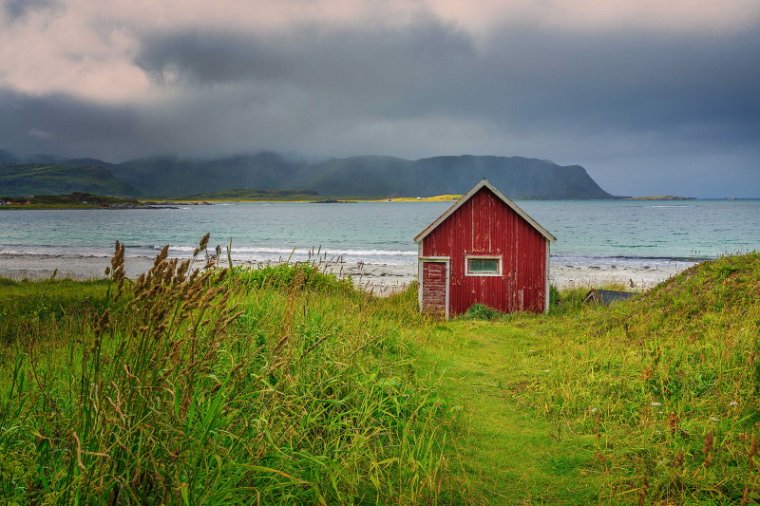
[[646, 112]]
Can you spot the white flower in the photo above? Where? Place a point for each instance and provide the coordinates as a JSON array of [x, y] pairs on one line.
[[714, 419], [594, 410], [733, 404]]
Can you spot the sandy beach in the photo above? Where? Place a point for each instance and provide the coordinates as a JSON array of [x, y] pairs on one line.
[[381, 279]]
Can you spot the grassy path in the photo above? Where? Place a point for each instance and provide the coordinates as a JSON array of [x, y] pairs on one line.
[[510, 455]]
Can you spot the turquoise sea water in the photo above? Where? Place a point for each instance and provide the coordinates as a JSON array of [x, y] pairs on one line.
[[587, 231]]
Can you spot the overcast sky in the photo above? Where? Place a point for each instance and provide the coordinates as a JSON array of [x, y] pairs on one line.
[[651, 97]]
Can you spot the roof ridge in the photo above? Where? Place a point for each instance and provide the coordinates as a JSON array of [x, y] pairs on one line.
[[484, 183]]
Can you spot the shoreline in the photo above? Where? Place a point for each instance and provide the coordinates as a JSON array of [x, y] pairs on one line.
[[168, 203], [565, 272]]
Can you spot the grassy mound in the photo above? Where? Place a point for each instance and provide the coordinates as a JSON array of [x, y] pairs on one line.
[[665, 386], [728, 287], [653, 400], [276, 386]]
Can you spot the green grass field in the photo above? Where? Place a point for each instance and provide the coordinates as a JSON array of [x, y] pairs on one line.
[[287, 386], [649, 401]]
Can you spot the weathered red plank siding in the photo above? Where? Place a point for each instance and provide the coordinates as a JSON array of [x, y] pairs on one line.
[[484, 225], [434, 288]]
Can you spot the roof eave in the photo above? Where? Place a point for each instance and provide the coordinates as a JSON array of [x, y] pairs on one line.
[[510, 203]]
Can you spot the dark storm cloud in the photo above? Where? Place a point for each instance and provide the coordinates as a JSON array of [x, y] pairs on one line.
[[207, 58], [619, 82], [615, 102], [367, 64], [65, 126]]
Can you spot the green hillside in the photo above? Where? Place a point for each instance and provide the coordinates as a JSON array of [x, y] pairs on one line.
[[368, 176], [174, 177], [519, 178], [360, 176], [34, 179]]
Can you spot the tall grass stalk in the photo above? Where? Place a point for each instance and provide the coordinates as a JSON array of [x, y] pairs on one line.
[[210, 386]]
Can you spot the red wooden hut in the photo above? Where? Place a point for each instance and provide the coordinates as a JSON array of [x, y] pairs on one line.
[[483, 249]]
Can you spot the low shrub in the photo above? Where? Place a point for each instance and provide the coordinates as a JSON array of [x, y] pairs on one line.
[[481, 312]]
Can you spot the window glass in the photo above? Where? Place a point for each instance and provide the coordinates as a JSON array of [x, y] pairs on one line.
[[483, 265]]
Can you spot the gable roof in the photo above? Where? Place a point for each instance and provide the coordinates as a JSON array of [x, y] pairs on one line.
[[459, 203]]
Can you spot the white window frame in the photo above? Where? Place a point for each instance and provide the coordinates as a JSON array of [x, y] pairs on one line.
[[467, 259]]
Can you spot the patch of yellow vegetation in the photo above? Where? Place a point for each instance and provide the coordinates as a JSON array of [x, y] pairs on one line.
[[434, 198]]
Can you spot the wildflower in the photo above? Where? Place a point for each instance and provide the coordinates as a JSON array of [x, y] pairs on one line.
[[594, 410], [733, 404], [655, 404], [714, 419]]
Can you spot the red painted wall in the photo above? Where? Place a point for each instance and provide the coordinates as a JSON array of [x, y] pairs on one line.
[[484, 225]]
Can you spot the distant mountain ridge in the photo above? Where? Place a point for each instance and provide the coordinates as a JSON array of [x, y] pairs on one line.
[[359, 176]]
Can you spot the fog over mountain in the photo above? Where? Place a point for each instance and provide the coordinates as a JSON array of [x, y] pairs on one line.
[[650, 97]]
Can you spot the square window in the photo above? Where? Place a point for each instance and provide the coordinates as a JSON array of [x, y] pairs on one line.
[[483, 266]]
